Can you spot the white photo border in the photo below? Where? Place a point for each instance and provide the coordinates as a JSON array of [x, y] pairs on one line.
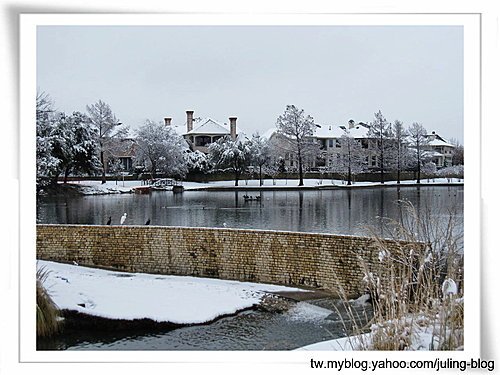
[[27, 257]]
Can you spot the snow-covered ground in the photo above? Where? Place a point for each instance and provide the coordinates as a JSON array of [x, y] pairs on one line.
[[112, 187], [162, 298], [421, 339]]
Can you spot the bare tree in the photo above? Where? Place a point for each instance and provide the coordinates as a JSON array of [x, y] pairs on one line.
[[400, 136], [297, 130], [352, 160], [419, 141], [108, 129], [380, 130]]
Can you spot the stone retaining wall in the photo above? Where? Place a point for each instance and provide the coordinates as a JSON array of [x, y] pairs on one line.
[[288, 258]]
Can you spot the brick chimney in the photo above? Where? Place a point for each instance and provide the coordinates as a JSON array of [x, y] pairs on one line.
[[168, 121], [232, 127], [189, 115]]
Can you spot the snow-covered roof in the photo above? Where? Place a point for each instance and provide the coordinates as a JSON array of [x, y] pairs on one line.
[[329, 131], [359, 131], [434, 154], [438, 142], [336, 131], [208, 126]]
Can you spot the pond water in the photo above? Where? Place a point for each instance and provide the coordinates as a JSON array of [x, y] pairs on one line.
[[303, 324], [324, 211]]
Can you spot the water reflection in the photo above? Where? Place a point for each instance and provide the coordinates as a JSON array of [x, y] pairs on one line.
[[325, 211]]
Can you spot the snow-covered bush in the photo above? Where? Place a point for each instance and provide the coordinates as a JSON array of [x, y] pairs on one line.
[[455, 171]]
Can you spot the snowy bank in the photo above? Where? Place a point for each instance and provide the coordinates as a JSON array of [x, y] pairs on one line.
[[162, 298], [423, 335], [111, 187]]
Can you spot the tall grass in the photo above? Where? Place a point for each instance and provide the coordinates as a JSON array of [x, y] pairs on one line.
[[405, 282], [48, 319]]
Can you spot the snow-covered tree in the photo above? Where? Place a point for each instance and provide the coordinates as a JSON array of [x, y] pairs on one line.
[[161, 149], [197, 161], [261, 153], [455, 171], [352, 161], [108, 130], [400, 149], [46, 163], [297, 130], [233, 155], [429, 169], [418, 141], [380, 130], [458, 152], [74, 145]]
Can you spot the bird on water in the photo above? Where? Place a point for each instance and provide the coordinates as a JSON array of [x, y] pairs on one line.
[[148, 221], [122, 220], [109, 221]]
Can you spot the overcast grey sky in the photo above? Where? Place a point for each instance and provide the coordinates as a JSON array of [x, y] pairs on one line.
[[335, 73]]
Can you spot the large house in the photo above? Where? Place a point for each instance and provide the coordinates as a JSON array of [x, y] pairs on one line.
[[439, 150], [332, 149], [122, 151], [199, 133]]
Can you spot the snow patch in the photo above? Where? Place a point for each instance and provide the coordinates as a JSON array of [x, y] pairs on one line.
[[175, 299]]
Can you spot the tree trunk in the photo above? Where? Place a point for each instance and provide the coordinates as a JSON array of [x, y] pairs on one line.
[[301, 175], [418, 166], [382, 165], [236, 177], [66, 173], [103, 177], [260, 175]]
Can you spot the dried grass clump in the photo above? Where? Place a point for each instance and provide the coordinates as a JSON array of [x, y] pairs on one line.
[[48, 319], [405, 281]]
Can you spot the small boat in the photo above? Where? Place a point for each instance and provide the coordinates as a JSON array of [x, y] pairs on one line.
[[146, 189]]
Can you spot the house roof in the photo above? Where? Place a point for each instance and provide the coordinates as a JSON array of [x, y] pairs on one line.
[[336, 131], [208, 126], [437, 140]]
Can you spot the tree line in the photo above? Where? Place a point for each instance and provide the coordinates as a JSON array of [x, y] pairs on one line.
[[86, 144]]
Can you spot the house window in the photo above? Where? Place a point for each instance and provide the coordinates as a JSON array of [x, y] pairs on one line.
[[126, 163], [374, 160], [330, 143], [364, 143], [203, 141]]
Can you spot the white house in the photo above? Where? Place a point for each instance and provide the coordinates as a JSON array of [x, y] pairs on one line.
[[439, 149], [199, 133]]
